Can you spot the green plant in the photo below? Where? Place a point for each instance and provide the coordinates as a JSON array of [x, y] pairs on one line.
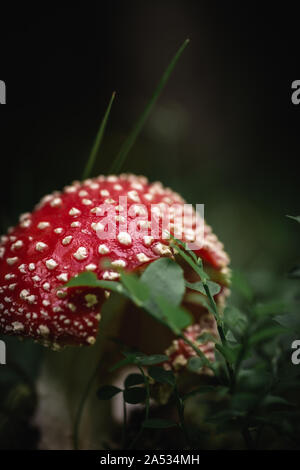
[[253, 372]]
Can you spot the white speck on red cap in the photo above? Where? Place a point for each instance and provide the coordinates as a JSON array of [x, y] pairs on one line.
[[124, 238], [81, 253], [51, 264]]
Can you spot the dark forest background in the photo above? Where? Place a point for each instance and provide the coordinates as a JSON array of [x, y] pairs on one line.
[[224, 132]]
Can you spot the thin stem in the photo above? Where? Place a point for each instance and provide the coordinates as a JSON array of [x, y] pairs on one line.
[[124, 425], [98, 140], [197, 351], [147, 393], [213, 305], [220, 331], [130, 141], [139, 434], [180, 408], [81, 408], [136, 439], [248, 438]]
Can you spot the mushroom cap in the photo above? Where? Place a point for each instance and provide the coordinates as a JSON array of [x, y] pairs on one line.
[[76, 230]]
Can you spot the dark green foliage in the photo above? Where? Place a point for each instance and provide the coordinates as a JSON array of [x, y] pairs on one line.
[[158, 423], [255, 380]]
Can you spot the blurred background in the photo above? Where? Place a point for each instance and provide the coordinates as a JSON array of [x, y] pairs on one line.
[[224, 132]]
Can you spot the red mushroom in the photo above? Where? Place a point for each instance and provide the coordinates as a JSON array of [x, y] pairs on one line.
[[65, 235], [180, 352]]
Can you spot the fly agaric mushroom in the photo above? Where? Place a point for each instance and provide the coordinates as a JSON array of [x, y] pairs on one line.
[[66, 235], [180, 352]]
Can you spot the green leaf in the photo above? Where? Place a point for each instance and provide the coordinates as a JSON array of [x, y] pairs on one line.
[[89, 279], [138, 290], [189, 257], [294, 273], [129, 142], [241, 284], [195, 364], [230, 353], [289, 321], [135, 395], [225, 415], [152, 360], [165, 279], [139, 359], [236, 322], [97, 143], [134, 379], [266, 334], [83, 279], [270, 308], [199, 287], [158, 423], [220, 390], [244, 401], [254, 379], [196, 299], [270, 400], [297, 217], [175, 317], [205, 338], [162, 376], [130, 358], [107, 392]]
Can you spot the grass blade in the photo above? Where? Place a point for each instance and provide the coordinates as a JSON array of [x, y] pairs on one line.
[[98, 140], [129, 142]]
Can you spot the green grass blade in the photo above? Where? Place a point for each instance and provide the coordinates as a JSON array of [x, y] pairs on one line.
[[129, 142], [98, 140]]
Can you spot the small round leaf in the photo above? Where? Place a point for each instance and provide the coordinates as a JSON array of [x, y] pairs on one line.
[[107, 392], [134, 395]]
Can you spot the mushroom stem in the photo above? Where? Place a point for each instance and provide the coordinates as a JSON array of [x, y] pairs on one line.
[[69, 412]]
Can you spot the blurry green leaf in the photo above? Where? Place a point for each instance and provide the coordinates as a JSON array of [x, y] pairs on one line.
[[134, 379], [289, 320], [152, 360], [162, 376], [175, 317], [107, 392], [266, 334], [236, 322], [244, 401], [138, 290], [254, 379], [121, 363], [189, 257], [294, 273], [97, 143], [129, 142], [205, 338], [241, 284], [270, 308], [219, 389], [199, 287], [297, 217], [225, 415], [89, 279], [135, 395], [158, 423], [230, 353], [165, 279], [140, 359], [195, 364], [130, 358], [193, 298], [270, 400]]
